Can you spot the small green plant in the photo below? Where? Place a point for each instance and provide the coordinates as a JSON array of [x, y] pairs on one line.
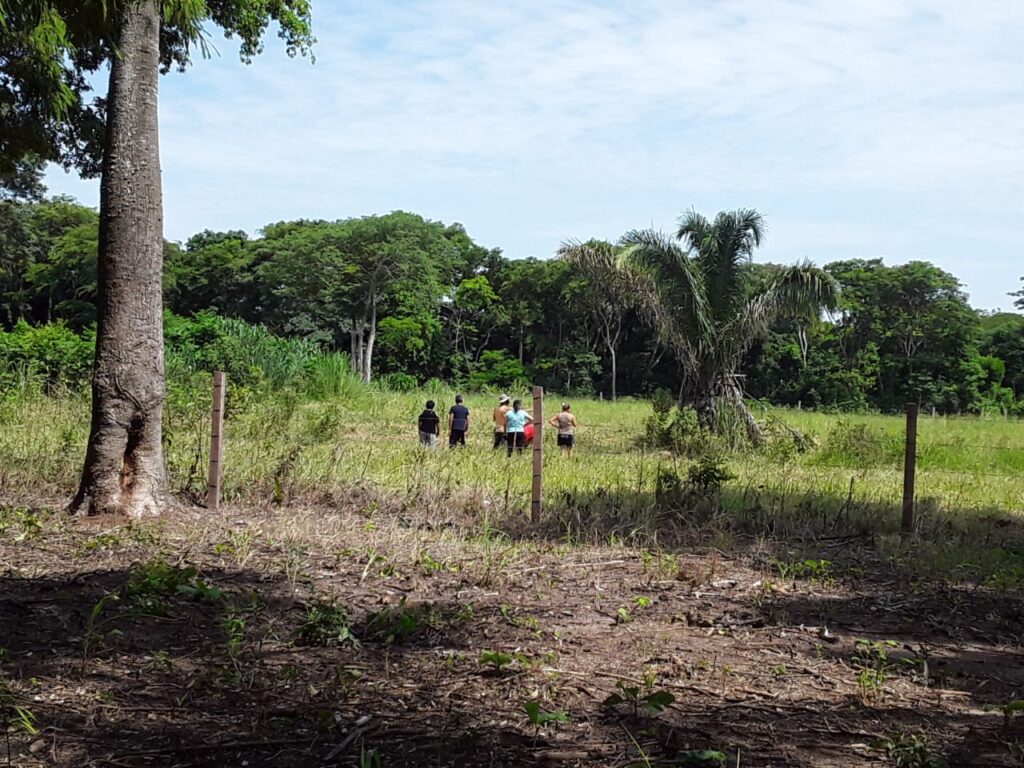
[[234, 629], [539, 717], [370, 758], [94, 637], [496, 660], [152, 584], [708, 475], [200, 590], [325, 624], [645, 697], [402, 622], [908, 751], [819, 571], [1009, 709]]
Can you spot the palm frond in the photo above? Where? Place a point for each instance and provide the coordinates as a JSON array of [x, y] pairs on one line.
[[722, 251], [670, 289], [801, 291]]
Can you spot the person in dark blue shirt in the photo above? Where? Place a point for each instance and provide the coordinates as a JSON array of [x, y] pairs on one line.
[[458, 423]]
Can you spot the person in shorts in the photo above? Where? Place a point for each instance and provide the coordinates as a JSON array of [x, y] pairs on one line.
[[499, 421], [516, 420], [458, 423], [429, 425], [566, 424]]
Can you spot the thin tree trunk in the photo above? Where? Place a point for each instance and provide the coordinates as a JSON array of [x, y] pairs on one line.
[[124, 463], [615, 374], [371, 337]]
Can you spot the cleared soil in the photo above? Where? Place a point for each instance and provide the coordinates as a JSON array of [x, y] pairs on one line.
[[791, 665]]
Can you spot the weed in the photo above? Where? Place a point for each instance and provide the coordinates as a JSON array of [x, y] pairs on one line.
[[397, 624], [496, 659], [908, 751], [645, 697], [370, 758], [708, 475], [152, 584], [93, 637], [819, 571], [325, 624], [539, 717]]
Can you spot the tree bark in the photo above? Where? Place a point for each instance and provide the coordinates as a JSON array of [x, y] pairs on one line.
[[371, 337], [124, 462]]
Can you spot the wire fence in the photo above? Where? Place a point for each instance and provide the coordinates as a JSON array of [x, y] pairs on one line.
[[967, 462]]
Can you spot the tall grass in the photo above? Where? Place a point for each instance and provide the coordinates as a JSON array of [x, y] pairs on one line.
[[326, 434]]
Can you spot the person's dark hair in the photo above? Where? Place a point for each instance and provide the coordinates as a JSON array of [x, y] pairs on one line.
[[458, 398], [565, 407], [430, 405], [517, 404]]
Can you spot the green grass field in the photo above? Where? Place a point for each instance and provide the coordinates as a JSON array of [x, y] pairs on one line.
[[281, 448]]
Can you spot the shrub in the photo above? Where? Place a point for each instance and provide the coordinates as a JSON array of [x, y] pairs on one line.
[[858, 444], [496, 370], [52, 354]]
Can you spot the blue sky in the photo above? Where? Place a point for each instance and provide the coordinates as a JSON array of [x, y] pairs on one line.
[[859, 128]]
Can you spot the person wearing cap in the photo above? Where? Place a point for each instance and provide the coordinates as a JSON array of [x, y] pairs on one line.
[[566, 424], [458, 423], [499, 420]]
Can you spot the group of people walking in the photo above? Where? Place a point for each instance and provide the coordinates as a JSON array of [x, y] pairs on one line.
[[513, 425]]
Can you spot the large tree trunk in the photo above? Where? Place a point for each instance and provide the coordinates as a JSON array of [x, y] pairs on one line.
[[124, 463]]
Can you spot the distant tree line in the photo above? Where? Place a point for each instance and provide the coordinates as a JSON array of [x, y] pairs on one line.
[[412, 300]]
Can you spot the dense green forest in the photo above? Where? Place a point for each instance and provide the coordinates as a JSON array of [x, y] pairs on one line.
[[412, 300]]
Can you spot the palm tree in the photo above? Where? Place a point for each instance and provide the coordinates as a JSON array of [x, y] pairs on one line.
[[698, 291]]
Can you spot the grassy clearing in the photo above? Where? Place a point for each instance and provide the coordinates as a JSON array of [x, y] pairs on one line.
[[277, 443], [282, 448]]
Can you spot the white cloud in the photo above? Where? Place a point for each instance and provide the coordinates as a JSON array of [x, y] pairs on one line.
[[858, 128]]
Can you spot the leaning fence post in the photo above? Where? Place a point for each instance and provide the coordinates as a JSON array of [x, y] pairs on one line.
[[909, 468], [216, 441], [538, 453]]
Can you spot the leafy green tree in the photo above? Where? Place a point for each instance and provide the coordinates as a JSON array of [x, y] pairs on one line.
[[1002, 337], [700, 294], [213, 271], [472, 316], [918, 318], [1019, 303], [603, 295], [49, 47]]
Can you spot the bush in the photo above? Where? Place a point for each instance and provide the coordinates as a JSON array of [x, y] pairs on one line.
[[672, 428], [251, 355], [397, 382], [51, 354], [496, 370], [858, 444]]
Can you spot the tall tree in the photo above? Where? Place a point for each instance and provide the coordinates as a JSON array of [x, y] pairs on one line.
[[699, 292], [605, 298], [124, 466]]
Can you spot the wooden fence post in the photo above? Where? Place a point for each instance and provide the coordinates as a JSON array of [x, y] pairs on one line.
[[909, 468], [538, 453], [216, 441]]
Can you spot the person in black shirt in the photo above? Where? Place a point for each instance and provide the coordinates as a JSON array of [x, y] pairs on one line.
[[458, 423], [429, 424]]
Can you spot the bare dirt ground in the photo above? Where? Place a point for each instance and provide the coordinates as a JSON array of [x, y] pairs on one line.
[[126, 656]]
